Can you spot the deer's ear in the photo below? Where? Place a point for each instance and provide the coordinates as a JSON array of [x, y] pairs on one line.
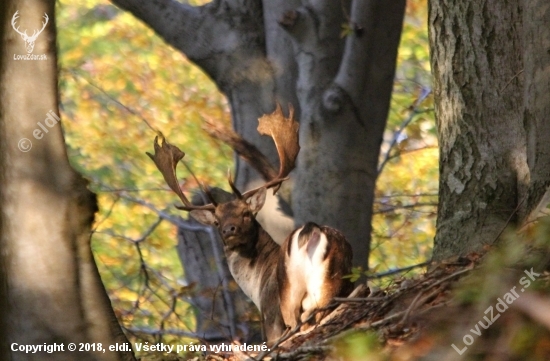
[[257, 200], [204, 216]]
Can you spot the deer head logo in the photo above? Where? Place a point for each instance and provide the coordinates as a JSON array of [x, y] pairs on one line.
[[29, 40]]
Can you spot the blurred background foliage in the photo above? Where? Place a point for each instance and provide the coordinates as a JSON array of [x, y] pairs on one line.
[[119, 83], [406, 191]]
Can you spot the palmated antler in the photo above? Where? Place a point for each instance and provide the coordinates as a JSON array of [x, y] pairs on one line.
[[166, 159], [284, 132]]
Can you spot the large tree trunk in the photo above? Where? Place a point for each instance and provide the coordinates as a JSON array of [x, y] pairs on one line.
[[54, 293], [490, 65], [344, 88], [4, 345], [536, 98], [341, 88]]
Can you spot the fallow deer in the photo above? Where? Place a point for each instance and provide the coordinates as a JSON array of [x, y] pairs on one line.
[[311, 269], [257, 263]]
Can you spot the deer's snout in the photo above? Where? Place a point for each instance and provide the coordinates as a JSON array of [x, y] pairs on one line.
[[230, 230]]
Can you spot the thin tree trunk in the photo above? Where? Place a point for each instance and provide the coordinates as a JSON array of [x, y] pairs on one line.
[[54, 294]]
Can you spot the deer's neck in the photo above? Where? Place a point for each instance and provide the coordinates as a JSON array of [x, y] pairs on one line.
[[254, 264]]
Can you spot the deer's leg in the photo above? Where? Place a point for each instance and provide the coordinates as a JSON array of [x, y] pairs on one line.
[[274, 326], [314, 300], [291, 299]]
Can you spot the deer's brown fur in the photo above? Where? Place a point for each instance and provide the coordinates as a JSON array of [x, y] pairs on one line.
[[251, 254]]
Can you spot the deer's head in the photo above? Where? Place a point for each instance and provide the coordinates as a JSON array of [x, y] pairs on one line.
[[235, 219], [29, 40]]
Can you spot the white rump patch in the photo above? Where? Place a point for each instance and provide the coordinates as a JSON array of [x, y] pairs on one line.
[[307, 270]]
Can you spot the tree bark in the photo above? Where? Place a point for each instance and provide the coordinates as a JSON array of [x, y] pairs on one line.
[[54, 293], [344, 87], [4, 331], [490, 66], [536, 95]]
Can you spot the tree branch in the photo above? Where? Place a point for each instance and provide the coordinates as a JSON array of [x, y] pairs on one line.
[[351, 77], [375, 30], [173, 21], [224, 37], [312, 23]]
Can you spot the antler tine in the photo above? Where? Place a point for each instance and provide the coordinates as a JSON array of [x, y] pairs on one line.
[[208, 207], [209, 195], [232, 185], [284, 132], [166, 159]]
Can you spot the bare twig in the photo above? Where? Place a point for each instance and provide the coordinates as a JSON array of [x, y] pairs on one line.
[[510, 81], [288, 335], [509, 219], [113, 99], [399, 270], [147, 272], [413, 112], [155, 332], [410, 195], [359, 299], [405, 206]]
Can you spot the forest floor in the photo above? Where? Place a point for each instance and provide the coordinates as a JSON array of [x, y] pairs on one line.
[[468, 308], [490, 306]]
